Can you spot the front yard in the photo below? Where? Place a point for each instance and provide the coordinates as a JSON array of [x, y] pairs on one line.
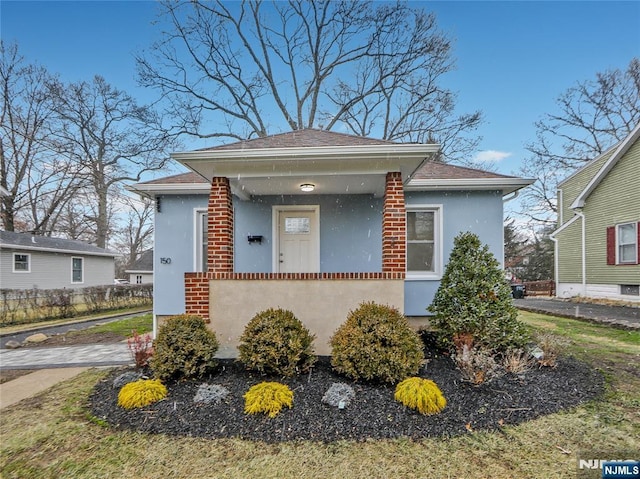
[[54, 435]]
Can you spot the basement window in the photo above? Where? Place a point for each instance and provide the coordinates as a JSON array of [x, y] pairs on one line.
[[630, 289]]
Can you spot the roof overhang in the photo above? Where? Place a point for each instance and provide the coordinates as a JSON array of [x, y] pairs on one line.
[[56, 250], [332, 169], [507, 185]]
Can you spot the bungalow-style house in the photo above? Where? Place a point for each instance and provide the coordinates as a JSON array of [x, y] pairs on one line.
[[597, 243], [141, 271], [28, 261], [315, 222]]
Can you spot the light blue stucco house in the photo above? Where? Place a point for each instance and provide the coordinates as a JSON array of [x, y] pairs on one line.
[[315, 222]]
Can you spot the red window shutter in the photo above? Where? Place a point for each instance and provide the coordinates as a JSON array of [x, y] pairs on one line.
[[611, 245]]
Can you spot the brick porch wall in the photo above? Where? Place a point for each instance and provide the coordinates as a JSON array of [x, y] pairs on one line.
[[220, 247]]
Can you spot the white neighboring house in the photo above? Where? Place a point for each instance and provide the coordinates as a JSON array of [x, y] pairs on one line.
[[141, 272], [28, 261], [4, 192]]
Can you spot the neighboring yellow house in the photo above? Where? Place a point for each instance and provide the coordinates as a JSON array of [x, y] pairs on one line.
[[597, 243]]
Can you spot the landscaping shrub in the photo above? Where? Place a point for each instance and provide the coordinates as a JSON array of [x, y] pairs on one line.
[[141, 393], [474, 298], [211, 393], [339, 395], [376, 343], [276, 342], [141, 348], [268, 398], [420, 394], [184, 348]]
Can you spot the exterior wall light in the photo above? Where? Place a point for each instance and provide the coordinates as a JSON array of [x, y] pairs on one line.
[[307, 187]]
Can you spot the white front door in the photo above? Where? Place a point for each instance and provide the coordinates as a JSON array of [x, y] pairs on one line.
[[297, 245]]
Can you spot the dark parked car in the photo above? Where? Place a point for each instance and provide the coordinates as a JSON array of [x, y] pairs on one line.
[[518, 291]]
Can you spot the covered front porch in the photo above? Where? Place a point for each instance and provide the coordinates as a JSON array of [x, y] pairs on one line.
[[228, 299]]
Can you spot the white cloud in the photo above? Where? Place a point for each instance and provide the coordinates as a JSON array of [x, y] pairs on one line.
[[491, 155]]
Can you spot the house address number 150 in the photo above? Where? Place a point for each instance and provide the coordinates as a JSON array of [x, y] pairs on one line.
[[165, 260]]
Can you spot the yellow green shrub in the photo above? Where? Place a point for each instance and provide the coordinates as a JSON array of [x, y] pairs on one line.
[[420, 394], [141, 393], [268, 398]]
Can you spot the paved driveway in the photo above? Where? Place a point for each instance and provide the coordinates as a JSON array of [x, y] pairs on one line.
[[621, 316]]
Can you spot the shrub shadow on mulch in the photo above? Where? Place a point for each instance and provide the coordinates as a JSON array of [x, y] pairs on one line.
[[507, 400]]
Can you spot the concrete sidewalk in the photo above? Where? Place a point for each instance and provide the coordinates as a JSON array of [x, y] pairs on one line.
[[114, 354], [32, 384], [54, 365]]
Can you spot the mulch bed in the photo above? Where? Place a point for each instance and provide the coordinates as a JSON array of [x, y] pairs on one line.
[[506, 400]]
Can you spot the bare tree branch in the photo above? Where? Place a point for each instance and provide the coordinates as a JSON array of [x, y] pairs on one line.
[[244, 69]]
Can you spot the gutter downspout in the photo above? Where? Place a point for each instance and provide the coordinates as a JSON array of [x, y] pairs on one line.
[[556, 274], [584, 251]]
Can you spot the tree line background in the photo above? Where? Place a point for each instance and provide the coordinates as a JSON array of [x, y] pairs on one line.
[[228, 71]]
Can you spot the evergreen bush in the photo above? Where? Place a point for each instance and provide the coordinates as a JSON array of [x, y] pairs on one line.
[[184, 348], [474, 298], [276, 342], [376, 343]]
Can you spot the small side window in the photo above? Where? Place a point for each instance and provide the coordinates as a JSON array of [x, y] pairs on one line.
[[77, 273], [21, 263]]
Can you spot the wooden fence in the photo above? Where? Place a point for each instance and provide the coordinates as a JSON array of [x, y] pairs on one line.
[[540, 288]]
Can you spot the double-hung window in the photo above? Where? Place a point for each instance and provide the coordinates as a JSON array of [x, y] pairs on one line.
[[21, 263], [627, 235], [77, 273], [424, 242]]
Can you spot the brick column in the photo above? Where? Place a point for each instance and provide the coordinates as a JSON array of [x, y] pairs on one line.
[[394, 225], [220, 227], [219, 248]]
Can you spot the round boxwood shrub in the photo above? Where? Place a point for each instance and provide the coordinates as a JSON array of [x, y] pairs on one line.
[[276, 342], [184, 348], [376, 343]]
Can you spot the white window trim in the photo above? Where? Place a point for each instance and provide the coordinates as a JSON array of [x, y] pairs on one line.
[[81, 270], [197, 235], [438, 236], [20, 271], [635, 229]]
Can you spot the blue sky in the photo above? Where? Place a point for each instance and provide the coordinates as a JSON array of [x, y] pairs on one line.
[[513, 58]]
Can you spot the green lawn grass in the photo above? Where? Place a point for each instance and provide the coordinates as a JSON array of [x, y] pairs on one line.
[[53, 435], [124, 327]]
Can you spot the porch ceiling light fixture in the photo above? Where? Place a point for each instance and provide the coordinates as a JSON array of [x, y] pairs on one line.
[[307, 187]]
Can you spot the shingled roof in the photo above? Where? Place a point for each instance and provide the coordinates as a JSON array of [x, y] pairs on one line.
[[28, 241], [438, 170], [309, 137], [143, 263]]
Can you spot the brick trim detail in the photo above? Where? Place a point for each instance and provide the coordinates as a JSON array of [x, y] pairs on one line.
[[220, 226], [197, 277], [394, 226]]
